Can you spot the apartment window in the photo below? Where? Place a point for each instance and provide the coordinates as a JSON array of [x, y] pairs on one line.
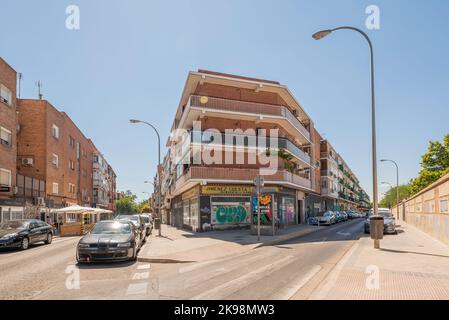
[[5, 177], [5, 95], [72, 164], [5, 137], [55, 131], [55, 160], [444, 206], [71, 141], [95, 158], [55, 189], [71, 188]]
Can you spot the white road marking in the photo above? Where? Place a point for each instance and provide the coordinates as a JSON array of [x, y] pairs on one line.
[[141, 276], [289, 291], [345, 234], [241, 282], [195, 266], [143, 266], [137, 288]]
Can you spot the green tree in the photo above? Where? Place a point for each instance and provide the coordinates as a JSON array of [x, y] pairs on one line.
[[435, 164], [143, 207], [390, 198], [127, 204]]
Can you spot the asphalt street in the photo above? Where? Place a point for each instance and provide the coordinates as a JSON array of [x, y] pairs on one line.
[[290, 270]]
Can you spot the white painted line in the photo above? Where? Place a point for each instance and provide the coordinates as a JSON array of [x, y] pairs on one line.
[[243, 281], [289, 291], [137, 288], [141, 276], [143, 266], [345, 234]]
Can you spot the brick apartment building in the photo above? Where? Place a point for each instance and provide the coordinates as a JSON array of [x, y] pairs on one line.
[[46, 161], [209, 195], [8, 140]]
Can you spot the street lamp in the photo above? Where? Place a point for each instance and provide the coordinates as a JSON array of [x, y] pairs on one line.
[[397, 183], [134, 121], [320, 35]]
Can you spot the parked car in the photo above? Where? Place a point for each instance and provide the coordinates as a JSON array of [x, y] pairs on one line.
[[388, 220], [109, 241], [338, 216], [148, 223], [344, 215], [327, 218], [22, 233], [137, 221]]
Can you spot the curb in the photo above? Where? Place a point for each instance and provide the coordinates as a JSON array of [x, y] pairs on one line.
[[288, 236], [161, 260]]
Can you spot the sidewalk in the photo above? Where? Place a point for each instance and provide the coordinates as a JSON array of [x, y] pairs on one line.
[[178, 246], [411, 265]]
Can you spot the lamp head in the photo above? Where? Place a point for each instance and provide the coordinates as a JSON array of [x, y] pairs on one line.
[[321, 34], [134, 121]]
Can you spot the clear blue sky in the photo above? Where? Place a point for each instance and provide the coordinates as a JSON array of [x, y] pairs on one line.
[[130, 60]]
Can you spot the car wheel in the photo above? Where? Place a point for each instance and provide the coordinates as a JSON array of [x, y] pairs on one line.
[[49, 238], [24, 244]]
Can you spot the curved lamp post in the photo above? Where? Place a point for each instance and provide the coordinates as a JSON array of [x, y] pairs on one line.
[[320, 35], [397, 183], [134, 121]]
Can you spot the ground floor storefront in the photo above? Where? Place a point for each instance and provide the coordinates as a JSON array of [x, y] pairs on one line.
[[221, 207]]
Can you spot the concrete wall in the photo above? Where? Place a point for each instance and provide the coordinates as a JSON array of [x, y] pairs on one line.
[[429, 210]]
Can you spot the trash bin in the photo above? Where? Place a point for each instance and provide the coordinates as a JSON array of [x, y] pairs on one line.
[[157, 223], [376, 227]]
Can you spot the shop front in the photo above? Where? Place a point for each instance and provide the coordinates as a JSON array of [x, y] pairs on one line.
[[223, 207], [189, 209]]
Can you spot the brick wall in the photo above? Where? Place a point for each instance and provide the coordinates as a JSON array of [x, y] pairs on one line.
[[8, 120]]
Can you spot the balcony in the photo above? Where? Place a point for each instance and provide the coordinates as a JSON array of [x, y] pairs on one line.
[[197, 174], [245, 110], [228, 140]]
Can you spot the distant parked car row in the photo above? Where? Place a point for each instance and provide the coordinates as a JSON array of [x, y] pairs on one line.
[[332, 217], [115, 240]]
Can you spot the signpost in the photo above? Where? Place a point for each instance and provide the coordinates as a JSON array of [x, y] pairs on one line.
[[259, 183]]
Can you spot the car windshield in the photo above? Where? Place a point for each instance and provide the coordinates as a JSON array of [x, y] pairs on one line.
[[146, 219], [113, 227], [14, 224], [326, 214]]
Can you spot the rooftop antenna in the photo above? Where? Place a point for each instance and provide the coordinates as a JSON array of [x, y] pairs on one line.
[[39, 87], [20, 81]]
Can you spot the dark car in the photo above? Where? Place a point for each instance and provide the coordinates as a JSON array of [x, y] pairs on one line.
[[345, 215], [109, 241], [338, 217], [137, 221], [22, 233]]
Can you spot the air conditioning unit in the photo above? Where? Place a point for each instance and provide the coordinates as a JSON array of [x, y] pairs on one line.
[[39, 201], [28, 161]]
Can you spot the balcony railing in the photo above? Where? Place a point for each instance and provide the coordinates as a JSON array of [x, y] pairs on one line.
[[237, 174], [228, 139], [249, 107]]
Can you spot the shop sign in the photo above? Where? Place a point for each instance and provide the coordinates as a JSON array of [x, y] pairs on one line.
[[228, 190], [190, 194]]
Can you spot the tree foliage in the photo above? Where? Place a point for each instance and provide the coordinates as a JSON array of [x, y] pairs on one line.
[[390, 198], [127, 203], [435, 164]]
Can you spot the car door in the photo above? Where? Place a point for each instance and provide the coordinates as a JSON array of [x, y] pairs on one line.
[[43, 230], [34, 232]]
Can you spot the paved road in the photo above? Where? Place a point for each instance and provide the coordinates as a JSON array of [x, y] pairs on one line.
[[290, 270]]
